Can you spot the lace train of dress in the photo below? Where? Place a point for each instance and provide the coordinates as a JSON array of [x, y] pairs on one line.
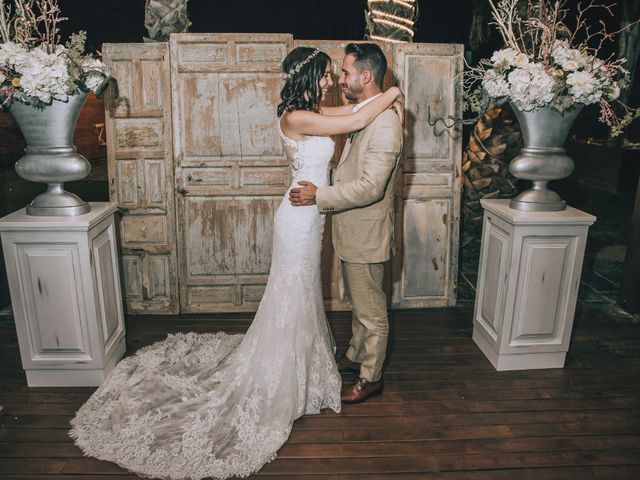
[[217, 405]]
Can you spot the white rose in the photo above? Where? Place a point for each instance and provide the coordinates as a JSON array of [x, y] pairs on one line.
[[521, 59], [615, 92], [570, 59], [584, 87], [570, 65]]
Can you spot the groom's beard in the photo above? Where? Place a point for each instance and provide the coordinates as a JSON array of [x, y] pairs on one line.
[[353, 93]]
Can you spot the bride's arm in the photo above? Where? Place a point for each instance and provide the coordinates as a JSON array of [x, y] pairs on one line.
[[303, 122], [339, 110]]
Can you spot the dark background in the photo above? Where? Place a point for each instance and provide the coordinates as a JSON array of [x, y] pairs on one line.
[[441, 21]]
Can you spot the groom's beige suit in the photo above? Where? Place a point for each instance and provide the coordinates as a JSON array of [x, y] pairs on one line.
[[361, 199]]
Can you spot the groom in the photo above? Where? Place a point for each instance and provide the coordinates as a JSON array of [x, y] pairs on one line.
[[362, 200]]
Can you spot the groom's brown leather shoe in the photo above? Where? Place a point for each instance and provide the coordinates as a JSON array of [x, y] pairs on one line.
[[361, 390], [347, 365]]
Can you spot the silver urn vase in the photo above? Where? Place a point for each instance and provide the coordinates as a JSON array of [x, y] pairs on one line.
[[543, 157], [50, 156]]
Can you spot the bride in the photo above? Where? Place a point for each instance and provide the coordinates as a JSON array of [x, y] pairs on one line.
[[218, 405]]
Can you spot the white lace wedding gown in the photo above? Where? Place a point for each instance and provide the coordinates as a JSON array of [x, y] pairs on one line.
[[218, 405]]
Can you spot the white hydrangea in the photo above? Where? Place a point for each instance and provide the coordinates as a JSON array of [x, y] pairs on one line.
[[503, 59], [584, 87], [45, 76], [495, 84], [531, 86], [95, 72], [570, 59], [542, 75], [12, 53], [40, 77]]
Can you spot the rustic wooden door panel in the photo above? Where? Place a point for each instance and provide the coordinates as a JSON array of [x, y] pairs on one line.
[[141, 174], [222, 102], [426, 229], [226, 226], [231, 170], [212, 222], [425, 274], [147, 276]]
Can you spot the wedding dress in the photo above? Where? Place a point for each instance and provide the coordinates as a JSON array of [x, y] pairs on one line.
[[218, 405]]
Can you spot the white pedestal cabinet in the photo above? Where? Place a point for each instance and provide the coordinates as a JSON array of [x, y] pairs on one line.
[[65, 294], [528, 279]]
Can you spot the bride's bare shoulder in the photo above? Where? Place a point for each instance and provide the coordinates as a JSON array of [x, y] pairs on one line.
[[292, 122], [295, 116]]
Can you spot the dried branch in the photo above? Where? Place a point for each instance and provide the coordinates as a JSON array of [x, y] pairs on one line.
[[5, 27], [34, 23], [505, 17], [546, 64]]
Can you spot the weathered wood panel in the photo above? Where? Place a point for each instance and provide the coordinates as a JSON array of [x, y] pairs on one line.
[[231, 170], [425, 273], [140, 164]]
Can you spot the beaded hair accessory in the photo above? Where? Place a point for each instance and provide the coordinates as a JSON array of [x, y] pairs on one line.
[[299, 66]]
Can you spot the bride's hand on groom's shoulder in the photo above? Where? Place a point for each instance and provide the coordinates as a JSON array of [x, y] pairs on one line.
[[398, 107]]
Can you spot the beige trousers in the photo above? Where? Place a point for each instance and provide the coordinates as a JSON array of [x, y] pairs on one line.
[[369, 321]]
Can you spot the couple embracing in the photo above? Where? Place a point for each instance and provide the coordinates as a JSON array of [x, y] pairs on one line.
[[361, 201], [217, 405]]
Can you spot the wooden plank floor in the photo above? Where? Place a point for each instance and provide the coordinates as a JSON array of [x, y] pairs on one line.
[[445, 413]]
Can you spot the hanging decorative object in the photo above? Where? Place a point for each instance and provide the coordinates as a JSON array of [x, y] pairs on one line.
[[164, 17], [391, 20]]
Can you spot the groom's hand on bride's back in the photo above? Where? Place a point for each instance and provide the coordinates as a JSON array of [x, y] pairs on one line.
[[302, 196]]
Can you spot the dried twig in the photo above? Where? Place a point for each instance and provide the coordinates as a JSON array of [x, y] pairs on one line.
[[5, 27]]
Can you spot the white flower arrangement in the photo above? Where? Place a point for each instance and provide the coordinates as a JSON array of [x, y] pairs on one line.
[[35, 68], [540, 66], [571, 77]]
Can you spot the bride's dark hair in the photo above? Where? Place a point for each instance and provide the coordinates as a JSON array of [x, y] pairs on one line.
[[302, 88]]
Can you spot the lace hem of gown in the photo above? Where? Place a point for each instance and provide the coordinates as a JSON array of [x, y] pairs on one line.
[[215, 405]]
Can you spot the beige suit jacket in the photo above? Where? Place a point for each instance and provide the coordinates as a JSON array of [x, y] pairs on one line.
[[363, 192]]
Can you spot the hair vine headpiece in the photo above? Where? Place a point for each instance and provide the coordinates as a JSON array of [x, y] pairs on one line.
[[299, 66]]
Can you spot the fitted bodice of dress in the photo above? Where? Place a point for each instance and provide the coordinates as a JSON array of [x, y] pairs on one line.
[[309, 158]]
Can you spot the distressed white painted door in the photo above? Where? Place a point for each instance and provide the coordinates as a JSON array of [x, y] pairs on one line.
[[231, 170], [426, 267], [140, 165]]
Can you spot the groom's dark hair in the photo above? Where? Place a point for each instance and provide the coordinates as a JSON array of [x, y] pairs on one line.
[[369, 56]]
